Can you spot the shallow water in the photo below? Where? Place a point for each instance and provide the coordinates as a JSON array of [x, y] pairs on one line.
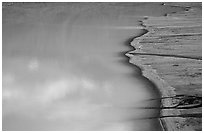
[[64, 67]]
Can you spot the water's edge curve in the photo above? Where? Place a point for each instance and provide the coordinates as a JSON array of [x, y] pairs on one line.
[[164, 89]]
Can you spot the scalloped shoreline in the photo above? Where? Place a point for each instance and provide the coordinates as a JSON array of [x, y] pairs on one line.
[[165, 87]]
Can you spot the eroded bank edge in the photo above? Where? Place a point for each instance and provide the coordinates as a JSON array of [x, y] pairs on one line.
[[147, 71]]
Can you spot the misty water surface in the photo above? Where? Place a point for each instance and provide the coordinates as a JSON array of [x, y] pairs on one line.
[[64, 67]]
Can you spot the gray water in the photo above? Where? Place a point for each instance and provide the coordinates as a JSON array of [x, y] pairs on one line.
[[64, 67]]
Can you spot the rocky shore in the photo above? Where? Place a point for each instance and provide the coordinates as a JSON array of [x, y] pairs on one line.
[[170, 55]]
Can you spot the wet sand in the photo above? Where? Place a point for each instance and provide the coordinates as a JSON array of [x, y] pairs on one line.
[[170, 55]]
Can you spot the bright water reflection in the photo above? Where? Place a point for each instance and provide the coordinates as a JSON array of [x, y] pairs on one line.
[[62, 69]]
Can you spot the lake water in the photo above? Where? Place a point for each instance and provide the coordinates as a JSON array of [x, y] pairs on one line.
[[64, 67]]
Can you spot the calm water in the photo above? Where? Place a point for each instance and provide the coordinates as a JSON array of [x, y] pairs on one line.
[[64, 67]]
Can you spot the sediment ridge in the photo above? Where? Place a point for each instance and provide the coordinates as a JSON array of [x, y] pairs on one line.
[[169, 54]]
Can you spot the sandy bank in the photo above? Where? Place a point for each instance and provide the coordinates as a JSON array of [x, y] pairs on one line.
[[170, 55]]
